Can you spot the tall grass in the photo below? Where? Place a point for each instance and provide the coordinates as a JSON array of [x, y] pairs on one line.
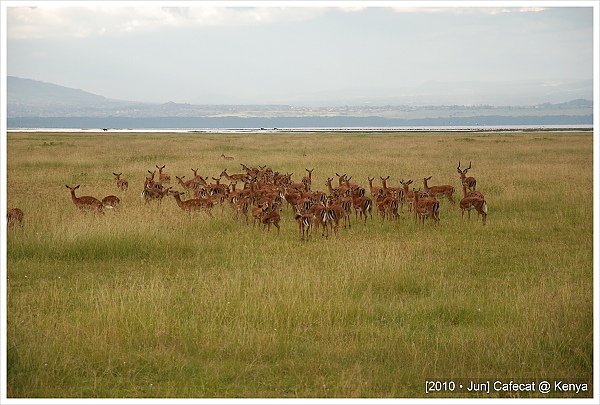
[[147, 301]]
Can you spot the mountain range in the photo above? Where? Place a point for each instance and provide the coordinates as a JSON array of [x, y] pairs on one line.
[[34, 103]]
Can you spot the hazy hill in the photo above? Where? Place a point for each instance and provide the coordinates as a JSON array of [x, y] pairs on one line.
[[34, 103], [33, 92]]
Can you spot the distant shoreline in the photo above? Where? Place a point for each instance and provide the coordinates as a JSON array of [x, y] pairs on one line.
[[417, 129]]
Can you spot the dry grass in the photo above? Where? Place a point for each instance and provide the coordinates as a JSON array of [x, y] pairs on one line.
[[147, 301]]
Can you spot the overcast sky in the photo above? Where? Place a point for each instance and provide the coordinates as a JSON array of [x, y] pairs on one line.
[[284, 54]]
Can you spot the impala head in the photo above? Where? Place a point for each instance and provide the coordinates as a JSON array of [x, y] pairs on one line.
[[462, 172], [151, 174], [427, 178], [118, 175], [160, 169], [180, 178], [223, 173], [72, 188], [195, 171]]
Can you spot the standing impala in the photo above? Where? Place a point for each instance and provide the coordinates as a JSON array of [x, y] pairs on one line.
[[470, 182], [426, 207], [439, 191], [409, 195], [473, 201], [163, 177], [193, 204], [86, 202], [304, 221]]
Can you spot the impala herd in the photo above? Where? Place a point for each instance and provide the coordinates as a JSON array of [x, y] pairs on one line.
[[259, 193]]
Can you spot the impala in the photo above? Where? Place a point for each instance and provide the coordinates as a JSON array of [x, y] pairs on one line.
[[226, 157], [86, 202], [470, 182], [193, 204], [319, 212], [335, 212], [470, 202], [121, 183], [362, 206], [14, 216], [409, 195], [111, 201], [304, 220], [189, 184], [163, 177], [271, 216], [426, 207], [234, 177], [439, 191], [150, 183], [257, 213], [153, 193], [307, 180], [374, 189]]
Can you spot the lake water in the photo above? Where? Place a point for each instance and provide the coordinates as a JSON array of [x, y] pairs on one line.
[[508, 128]]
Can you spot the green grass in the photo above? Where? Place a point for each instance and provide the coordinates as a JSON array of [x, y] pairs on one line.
[[147, 301]]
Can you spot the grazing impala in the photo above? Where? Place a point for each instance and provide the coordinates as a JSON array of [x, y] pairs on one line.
[[111, 201], [470, 182], [471, 201], [163, 177], [439, 191], [14, 216], [226, 157], [86, 202], [121, 183]]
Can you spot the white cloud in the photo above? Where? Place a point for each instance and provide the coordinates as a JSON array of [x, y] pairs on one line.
[[63, 22], [468, 10]]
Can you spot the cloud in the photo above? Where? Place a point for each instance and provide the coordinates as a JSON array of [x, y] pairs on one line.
[[468, 10], [81, 22]]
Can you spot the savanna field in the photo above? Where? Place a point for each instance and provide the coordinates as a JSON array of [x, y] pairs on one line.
[[149, 301]]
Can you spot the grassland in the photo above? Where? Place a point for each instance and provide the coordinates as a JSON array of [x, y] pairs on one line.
[[147, 301]]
